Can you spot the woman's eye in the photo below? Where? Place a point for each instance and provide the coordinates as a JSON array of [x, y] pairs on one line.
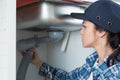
[[84, 26]]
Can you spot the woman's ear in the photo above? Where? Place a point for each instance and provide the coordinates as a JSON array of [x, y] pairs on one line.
[[102, 33]]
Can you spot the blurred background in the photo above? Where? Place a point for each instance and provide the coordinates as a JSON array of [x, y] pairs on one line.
[[38, 18]]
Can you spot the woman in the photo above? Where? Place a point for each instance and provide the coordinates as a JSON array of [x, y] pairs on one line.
[[101, 31]]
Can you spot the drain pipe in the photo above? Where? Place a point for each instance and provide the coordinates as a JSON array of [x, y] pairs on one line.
[[27, 44]]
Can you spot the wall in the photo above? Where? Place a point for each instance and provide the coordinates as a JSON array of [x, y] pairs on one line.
[[73, 57], [32, 72], [7, 39]]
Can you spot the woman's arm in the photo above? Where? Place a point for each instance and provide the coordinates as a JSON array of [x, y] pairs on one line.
[[59, 74]]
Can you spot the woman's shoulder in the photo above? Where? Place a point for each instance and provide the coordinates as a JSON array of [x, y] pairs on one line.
[[112, 72]]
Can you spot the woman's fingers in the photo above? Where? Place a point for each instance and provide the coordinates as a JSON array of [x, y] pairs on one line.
[[35, 60], [22, 53]]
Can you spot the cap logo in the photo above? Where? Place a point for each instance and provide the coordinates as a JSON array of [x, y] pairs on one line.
[[109, 23]]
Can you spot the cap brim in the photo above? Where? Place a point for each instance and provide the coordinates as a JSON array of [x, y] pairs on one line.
[[78, 16]]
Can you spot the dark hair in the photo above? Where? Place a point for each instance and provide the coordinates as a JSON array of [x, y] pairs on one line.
[[114, 40]]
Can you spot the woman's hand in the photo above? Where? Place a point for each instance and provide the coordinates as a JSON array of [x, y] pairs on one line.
[[35, 60]]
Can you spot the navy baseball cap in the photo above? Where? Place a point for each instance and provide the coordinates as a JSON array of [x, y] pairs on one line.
[[104, 13]]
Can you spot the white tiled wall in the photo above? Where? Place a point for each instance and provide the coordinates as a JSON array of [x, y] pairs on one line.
[[7, 39]]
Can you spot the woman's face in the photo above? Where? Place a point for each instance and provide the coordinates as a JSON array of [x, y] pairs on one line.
[[88, 33]]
